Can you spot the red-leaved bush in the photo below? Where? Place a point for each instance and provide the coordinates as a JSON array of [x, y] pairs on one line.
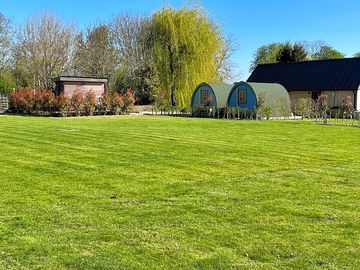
[[44, 100], [62, 104], [22, 100], [77, 102], [117, 103], [106, 102], [90, 103], [26, 100], [129, 100]]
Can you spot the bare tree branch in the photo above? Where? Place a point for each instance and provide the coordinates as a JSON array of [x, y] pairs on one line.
[[44, 49]]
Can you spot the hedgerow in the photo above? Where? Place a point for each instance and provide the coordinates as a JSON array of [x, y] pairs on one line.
[[44, 102]]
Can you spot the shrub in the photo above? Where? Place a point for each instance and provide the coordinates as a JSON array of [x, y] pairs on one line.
[[347, 106], [161, 100], [260, 105], [208, 100], [90, 103], [322, 106], [77, 102], [129, 100], [267, 112], [22, 100], [201, 112], [106, 102], [44, 100], [117, 103], [62, 104], [282, 106], [304, 107]]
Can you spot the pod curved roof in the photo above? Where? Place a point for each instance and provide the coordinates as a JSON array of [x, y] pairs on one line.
[[273, 93], [221, 92]]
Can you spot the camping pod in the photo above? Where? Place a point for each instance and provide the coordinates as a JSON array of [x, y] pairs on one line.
[[211, 95], [246, 95]]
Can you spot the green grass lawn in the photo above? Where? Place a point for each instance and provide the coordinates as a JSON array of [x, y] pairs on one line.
[[178, 193]]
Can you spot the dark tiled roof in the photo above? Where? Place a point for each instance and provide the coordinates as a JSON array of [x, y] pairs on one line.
[[335, 74]]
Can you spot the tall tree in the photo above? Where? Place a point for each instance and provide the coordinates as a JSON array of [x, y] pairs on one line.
[[44, 49], [291, 53], [7, 80], [185, 46], [266, 54], [95, 54], [299, 52], [313, 47], [357, 54], [224, 65], [327, 52], [285, 54], [129, 34], [5, 41]]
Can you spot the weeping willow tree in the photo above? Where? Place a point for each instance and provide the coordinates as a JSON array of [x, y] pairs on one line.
[[188, 48]]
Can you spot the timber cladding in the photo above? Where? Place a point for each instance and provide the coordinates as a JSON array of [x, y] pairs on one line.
[[68, 85], [68, 88]]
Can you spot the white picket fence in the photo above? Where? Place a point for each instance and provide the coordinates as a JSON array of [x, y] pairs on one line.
[[4, 103]]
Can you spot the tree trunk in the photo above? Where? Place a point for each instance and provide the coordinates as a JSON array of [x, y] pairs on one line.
[[172, 95], [172, 72]]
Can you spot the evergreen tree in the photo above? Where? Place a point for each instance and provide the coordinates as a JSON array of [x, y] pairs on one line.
[[285, 55], [291, 53]]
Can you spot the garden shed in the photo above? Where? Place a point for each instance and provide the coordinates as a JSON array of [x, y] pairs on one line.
[[213, 95], [68, 84], [245, 95]]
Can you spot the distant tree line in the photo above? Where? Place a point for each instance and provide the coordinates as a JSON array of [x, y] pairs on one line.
[[161, 58], [164, 55], [288, 52]]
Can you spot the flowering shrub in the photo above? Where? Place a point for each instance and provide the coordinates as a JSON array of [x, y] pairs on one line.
[[62, 104], [44, 100], [22, 100], [117, 103], [322, 106], [77, 102], [347, 106], [129, 100], [208, 100], [106, 102], [90, 103], [322, 102]]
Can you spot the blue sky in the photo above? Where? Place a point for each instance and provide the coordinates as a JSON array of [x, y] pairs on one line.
[[252, 22]]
